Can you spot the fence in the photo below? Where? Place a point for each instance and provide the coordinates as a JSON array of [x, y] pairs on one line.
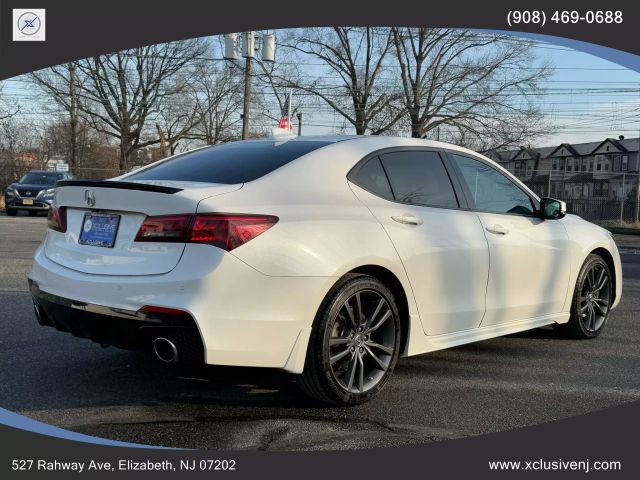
[[609, 199]]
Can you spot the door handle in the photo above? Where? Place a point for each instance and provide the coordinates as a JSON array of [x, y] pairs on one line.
[[497, 229], [407, 219]]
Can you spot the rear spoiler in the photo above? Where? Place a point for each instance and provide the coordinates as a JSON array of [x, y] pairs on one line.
[[145, 187]]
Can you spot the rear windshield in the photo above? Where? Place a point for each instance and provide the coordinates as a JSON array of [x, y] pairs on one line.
[[234, 162], [40, 178]]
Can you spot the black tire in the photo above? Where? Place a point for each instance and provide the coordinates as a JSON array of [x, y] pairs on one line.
[[370, 345], [11, 212], [589, 311]]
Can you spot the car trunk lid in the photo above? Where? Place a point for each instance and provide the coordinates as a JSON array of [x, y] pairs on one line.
[[131, 202]]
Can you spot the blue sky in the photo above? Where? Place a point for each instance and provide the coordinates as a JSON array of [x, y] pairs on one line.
[[587, 99], [604, 99]]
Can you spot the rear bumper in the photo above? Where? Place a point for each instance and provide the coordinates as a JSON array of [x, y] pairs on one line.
[[134, 330], [244, 318]]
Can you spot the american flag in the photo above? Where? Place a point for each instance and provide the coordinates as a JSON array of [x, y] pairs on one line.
[[285, 116]]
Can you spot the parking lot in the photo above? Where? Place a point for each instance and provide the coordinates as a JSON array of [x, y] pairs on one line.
[[489, 386]]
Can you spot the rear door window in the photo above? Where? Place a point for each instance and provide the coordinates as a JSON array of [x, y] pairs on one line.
[[372, 178], [419, 178]]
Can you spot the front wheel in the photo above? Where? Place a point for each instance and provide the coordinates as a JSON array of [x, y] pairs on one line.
[[591, 300], [354, 343], [11, 212]]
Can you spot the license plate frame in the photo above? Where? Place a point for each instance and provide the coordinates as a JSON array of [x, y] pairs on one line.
[[101, 236]]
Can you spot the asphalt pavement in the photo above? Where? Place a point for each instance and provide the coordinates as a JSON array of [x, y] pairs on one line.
[[490, 386]]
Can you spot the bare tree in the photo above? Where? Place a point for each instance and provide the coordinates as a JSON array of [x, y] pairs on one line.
[[60, 83], [19, 149], [358, 55], [216, 94], [7, 108], [177, 117], [475, 87], [124, 90]]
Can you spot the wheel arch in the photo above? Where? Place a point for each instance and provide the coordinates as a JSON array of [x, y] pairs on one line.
[[608, 259], [393, 283]]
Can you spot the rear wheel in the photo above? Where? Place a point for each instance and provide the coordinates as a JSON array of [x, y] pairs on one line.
[[354, 344], [591, 300], [11, 212]]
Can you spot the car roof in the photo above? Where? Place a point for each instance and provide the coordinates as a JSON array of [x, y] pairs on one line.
[[377, 142]]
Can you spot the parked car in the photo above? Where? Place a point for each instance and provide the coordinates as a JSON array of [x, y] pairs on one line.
[[326, 257], [33, 192]]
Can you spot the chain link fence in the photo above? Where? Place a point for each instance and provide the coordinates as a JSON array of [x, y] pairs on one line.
[[609, 199]]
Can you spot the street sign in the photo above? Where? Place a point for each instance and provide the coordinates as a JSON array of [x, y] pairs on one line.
[[62, 167]]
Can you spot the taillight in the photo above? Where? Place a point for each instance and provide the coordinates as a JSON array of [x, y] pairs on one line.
[[226, 231], [57, 219], [166, 228]]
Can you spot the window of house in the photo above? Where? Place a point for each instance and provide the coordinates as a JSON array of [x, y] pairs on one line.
[[625, 163], [591, 165], [554, 164]]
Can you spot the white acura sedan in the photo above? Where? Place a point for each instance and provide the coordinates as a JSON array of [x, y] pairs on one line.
[[328, 257]]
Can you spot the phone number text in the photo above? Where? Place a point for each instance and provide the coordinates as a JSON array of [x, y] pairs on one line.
[[540, 17]]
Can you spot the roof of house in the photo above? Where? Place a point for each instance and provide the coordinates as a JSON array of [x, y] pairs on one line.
[[578, 149]]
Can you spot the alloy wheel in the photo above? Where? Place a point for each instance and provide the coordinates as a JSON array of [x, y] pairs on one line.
[[362, 341], [595, 297]]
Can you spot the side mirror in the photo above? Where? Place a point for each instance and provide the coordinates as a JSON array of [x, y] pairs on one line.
[[552, 209]]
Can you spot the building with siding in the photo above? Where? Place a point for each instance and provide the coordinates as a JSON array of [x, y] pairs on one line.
[[606, 169]]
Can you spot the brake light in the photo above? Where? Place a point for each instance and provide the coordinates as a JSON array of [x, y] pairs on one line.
[[57, 219], [226, 231], [166, 228]]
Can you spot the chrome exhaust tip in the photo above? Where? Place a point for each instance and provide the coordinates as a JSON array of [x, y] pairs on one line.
[[165, 350]]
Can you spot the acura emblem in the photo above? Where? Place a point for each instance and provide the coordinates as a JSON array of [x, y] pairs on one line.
[[89, 198]]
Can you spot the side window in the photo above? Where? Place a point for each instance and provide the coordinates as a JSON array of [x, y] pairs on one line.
[[492, 191], [372, 178], [419, 178]]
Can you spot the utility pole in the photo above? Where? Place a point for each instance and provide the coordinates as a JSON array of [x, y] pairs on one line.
[[73, 115], [247, 99], [299, 117], [232, 52]]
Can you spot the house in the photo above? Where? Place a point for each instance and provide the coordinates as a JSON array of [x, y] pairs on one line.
[[604, 170]]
